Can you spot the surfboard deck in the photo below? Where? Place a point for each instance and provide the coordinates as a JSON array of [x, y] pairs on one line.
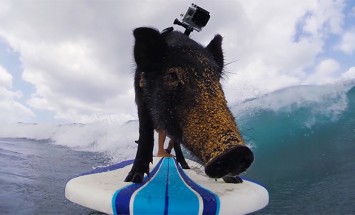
[[168, 190]]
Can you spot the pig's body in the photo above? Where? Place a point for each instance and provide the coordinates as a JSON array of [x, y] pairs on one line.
[[177, 85]]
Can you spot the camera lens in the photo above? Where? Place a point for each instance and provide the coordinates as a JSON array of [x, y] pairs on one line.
[[201, 18]]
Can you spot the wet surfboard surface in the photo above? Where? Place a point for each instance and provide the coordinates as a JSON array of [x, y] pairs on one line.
[[168, 189]]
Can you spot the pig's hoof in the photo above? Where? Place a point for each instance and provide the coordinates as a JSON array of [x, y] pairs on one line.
[[231, 162], [232, 179], [129, 177], [184, 165], [137, 177]]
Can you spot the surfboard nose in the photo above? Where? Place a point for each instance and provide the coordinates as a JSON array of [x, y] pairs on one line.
[[231, 162]]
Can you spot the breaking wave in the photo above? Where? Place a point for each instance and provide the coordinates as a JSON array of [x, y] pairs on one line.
[[288, 113]]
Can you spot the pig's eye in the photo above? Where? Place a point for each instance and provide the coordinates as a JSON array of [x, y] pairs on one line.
[[171, 76]]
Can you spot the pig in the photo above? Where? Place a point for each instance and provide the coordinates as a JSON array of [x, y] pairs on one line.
[[178, 89]]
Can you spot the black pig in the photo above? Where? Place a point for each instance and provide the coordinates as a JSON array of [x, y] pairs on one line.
[[177, 86]]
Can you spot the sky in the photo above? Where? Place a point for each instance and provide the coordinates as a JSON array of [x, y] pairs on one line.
[[71, 61]]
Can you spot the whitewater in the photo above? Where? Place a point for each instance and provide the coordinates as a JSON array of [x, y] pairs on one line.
[[303, 138]]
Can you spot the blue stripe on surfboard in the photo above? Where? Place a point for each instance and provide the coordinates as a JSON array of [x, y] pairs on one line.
[[166, 178], [210, 200], [166, 205], [142, 203], [109, 168], [121, 198], [171, 195], [182, 199]]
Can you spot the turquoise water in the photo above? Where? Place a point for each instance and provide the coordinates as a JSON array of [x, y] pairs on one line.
[[305, 153], [303, 139]]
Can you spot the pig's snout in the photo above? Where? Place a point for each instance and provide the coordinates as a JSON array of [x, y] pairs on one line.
[[231, 162]]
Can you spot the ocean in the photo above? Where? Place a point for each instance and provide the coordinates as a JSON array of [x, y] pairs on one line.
[[303, 138]]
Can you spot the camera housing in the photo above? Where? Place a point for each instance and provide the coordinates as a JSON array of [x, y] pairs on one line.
[[195, 18]]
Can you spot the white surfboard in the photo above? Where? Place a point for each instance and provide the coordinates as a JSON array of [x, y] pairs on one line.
[[168, 190]]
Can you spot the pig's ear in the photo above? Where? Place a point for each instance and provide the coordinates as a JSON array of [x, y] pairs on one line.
[[215, 48], [149, 48]]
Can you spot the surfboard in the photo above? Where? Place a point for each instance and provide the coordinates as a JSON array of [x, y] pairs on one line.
[[168, 189]]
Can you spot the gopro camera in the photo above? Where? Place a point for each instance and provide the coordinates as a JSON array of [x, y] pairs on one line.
[[195, 18]]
